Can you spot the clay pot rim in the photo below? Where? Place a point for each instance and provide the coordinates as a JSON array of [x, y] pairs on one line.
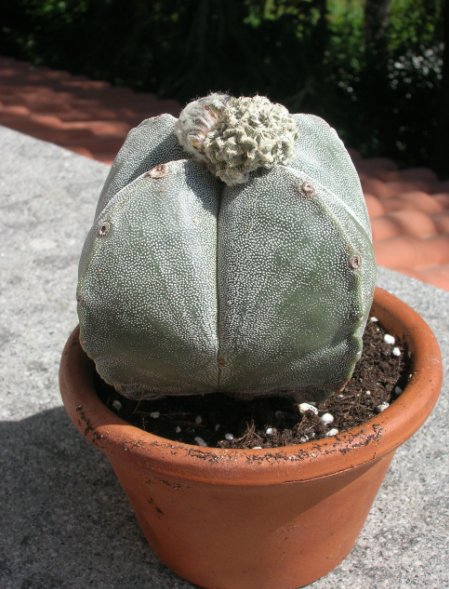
[[317, 458]]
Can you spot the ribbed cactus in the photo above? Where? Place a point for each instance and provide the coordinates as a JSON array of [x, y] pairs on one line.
[[231, 251]]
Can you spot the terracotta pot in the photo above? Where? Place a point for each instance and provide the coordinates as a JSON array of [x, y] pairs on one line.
[[257, 519]]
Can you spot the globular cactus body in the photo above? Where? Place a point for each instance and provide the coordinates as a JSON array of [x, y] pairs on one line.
[[258, 286]]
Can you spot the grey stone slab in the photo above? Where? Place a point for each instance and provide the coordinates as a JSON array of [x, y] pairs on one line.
[[65, 521]]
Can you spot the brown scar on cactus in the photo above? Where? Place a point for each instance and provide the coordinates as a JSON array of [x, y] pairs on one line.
[[307, 189], [237, 136], [355, 262], [158, 171], [104, 229]]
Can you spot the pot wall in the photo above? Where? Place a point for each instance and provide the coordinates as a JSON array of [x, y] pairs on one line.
[[218, 536], [257, 519]]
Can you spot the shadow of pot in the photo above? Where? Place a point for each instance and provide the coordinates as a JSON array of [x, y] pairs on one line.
[[257, 519]]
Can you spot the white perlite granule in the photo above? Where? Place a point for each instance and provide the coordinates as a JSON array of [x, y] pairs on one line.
[[382, 407], [200, 441], [304, 407], [389, 339]]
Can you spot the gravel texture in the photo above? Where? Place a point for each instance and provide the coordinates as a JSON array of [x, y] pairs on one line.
[[65, 521]]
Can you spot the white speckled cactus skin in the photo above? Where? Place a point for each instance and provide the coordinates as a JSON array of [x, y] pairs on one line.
[[260, 286]]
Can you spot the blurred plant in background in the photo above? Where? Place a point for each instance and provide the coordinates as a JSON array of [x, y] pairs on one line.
[[376, 69]]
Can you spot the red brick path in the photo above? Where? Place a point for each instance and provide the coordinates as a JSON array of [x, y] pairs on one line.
[[409, 209]]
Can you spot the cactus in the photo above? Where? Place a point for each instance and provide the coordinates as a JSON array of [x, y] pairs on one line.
[[231, 252]]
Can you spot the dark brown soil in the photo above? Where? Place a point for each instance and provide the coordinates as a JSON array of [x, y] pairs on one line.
[[220, 421]]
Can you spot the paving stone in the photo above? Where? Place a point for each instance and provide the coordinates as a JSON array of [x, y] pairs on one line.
[[414, 222]]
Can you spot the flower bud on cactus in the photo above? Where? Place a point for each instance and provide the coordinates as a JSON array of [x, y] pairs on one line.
[[231, 252]]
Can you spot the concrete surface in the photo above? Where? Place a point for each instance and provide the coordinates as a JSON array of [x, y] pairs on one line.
[[65, 521]]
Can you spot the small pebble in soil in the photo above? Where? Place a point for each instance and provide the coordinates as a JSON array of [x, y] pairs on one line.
[[229, 437], [374, 319], [368, 393], [117, 405], [332, 432], [200, 441], [382, 407], [397, 390], [256, 448], [155, 414], [270, 431], [396, 351], [389, 339], [304, 407], [327, 418]]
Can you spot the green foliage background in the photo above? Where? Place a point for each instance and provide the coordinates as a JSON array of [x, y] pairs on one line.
[[308, 54]]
